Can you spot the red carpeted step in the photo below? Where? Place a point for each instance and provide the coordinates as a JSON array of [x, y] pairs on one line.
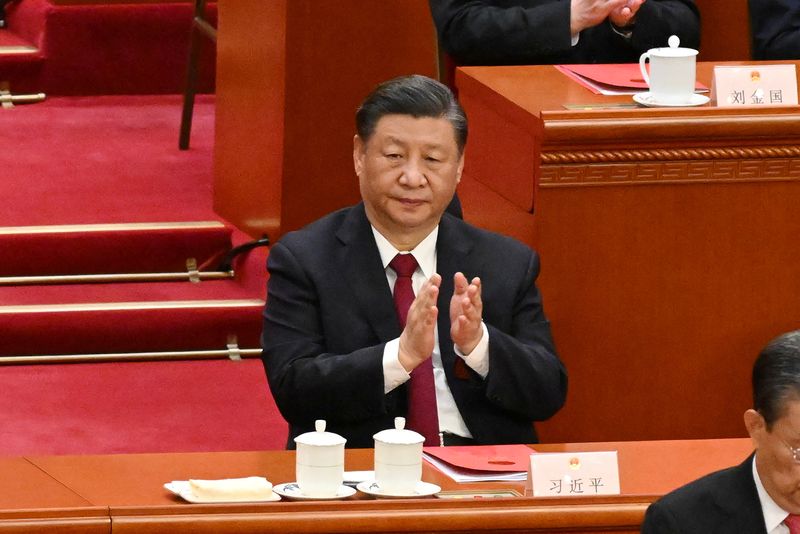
[[20, 62], [111, 248], [97, 48], [135, 407], [11, 44], [105, 160], [126, 318]]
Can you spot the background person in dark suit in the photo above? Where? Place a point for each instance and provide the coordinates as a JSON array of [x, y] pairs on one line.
[[528, 32], [776, 29], [756, 496], [333, 345]]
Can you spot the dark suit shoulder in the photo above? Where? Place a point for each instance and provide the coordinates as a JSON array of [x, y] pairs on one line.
[[702, 489], [322, 230], [713, 503]]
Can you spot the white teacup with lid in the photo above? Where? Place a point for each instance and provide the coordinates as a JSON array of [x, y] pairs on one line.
[[398, 459], [672, 72], [319, 462]]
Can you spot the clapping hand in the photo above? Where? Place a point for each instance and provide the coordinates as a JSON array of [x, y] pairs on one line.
[[466, 313]]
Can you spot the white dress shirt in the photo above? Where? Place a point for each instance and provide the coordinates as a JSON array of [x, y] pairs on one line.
[[773, 514], [394, 374]]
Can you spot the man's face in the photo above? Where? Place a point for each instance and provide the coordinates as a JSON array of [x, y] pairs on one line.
[[408, 171], [778, 470]]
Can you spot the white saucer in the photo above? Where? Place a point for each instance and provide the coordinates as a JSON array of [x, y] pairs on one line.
[[647, 99], [291, 490], [423, 489], [182, 489]]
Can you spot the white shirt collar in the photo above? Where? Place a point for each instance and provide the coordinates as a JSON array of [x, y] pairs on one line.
[[773, 514], [424, 253]]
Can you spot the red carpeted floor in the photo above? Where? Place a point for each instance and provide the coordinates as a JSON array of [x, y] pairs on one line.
[[105, 159], [114, 159], [96, 184], [137, 407]]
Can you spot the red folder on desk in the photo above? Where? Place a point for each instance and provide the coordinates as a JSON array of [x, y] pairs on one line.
[[484, 457], [610, 79]]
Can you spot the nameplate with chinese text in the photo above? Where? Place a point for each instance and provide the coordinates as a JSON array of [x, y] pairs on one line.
[[575, 474], [755, 85]]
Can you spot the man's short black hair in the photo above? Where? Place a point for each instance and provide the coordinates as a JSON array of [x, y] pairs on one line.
[[776, 376], [415, 95]]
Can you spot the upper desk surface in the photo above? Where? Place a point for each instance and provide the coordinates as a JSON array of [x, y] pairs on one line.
[[527, 94], [129, 490]]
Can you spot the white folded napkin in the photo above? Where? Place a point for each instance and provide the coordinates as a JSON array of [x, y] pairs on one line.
[[232, 488]]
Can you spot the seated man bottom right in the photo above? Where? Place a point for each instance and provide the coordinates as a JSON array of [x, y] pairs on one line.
[[762, 494]]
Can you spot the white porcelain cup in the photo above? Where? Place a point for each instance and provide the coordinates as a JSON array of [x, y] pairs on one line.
[[319, 462], [398, 459], [672, 72]]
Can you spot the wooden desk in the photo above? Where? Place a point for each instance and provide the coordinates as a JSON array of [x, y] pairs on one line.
[[668, 240], [32, 501], [130, 486]]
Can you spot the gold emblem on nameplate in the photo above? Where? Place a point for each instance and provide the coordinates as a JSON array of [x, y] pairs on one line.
[[755, 76], [575, 463]]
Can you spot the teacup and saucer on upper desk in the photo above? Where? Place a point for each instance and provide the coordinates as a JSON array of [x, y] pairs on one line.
[[672, 77]]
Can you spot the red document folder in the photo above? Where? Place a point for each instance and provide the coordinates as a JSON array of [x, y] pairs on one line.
[[482, 462], [611, 79]]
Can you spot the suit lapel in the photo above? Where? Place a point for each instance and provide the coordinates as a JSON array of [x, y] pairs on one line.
[[740, 504], [360, 264]]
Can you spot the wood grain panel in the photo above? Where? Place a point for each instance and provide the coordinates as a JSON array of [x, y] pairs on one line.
[[290, 76], [668, 246]]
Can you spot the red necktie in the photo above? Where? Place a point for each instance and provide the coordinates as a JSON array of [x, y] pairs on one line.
[[422, 415], [793, 522]]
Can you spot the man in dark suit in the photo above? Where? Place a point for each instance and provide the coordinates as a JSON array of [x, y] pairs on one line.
[[761, 495], [523, 32], [776, 29], [334, 347]]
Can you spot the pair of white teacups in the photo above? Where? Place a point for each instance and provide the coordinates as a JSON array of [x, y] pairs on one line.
[[320, 461], [672, 72]]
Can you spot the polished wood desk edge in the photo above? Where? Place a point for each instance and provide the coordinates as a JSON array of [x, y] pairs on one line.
[[629, 124], [55, 513], [433, 513], [56, 521], [361, 505]]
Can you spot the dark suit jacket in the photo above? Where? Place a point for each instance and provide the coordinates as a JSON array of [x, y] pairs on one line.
[[527, 32], [720, 503], [330, 312], [776, 29]]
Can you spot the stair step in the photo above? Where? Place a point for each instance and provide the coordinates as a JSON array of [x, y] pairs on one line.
[[123, 318], [13, 44], [20, 64], [112, 248]]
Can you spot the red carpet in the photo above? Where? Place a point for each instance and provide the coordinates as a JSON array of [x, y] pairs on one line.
[[104, 160], [72, 169], [137, 407], [101, 48], [113, 159]]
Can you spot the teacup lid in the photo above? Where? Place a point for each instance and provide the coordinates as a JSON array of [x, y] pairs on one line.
[[674, 49], [320, 438], [398, 435]]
